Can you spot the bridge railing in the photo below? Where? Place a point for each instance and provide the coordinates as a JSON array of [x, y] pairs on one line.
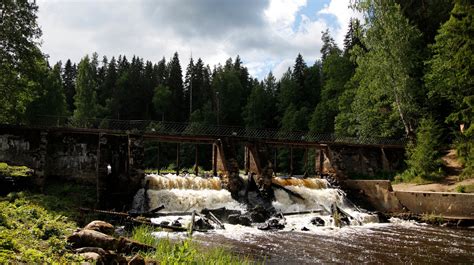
[[200, 129]]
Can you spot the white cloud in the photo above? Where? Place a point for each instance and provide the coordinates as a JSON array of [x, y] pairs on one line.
[[266, 35], [343, 13]]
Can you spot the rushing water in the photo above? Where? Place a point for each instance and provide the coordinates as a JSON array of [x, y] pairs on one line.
[[364, 241]]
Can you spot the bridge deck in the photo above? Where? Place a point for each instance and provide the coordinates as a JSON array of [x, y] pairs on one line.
[[201, 133]]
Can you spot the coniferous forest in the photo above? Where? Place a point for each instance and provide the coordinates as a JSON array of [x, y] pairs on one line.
[[405, 71]]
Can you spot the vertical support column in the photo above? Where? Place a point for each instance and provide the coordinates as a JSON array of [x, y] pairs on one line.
[[196, 160], [306, 162], [385, 163], [321, 161], [177, 158], [40, 169], [158, 157], [214, 160], [275, 155], [291, 161], [98, 177], [247, 160], [101, 169]]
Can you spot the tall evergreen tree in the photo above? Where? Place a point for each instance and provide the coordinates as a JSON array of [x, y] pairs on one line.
[[336, 71], [450, 71], [175, 84], [85, 99], [69, 84]]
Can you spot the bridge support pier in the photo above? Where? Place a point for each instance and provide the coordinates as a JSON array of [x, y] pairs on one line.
[[261, 167], [226, 165]]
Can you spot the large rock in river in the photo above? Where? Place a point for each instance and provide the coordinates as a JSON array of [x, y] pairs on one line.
[[100, 226]]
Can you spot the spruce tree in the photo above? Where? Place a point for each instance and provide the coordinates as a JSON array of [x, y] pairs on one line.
[[175, 84], [69, 84], [85, 99]]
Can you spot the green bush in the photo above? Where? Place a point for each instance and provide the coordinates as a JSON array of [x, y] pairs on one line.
[[461, 189], [423, 158], [465, 152]]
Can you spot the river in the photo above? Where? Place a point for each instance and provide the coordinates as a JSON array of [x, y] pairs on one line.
[[365, 240]]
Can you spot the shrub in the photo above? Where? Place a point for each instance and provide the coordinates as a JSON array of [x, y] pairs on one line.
[[423, 158], [465, 152]]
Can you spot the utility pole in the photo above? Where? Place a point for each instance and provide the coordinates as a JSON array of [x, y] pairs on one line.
[[218, 113], [191, 89]]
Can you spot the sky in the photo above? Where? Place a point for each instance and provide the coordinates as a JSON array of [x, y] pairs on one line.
[[266, 34]]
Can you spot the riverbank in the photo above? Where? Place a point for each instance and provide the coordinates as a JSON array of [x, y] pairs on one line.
[[450, 182], [34, 229]]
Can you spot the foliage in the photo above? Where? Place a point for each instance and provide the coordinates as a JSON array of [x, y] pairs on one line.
[[14, 171], [19, 55], [423, 156], [85, 99], [161, 100], [465, 152], [386, 86], [183, 251], [465, 188], [31, 234], [432, 218]]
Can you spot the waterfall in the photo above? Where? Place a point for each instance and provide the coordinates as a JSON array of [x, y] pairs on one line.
[[189, 192]]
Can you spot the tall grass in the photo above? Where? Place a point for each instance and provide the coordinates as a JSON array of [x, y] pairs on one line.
[[183, 251]]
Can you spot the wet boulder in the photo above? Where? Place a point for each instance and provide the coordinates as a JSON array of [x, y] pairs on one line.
[[91, 238], [259, 214], [100, 226], [164, 223], [92, 257], [238, 219], [221, 213], [203, 224], [273, 223], [176, 223], [317, 221]]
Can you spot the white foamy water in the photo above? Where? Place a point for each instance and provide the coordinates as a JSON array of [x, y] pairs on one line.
[[188, 193]]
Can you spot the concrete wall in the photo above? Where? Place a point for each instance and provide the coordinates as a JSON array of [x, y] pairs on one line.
[[378, 195], [447, 204], [363, 160], [72, 157], [374, 194], [78, 156]]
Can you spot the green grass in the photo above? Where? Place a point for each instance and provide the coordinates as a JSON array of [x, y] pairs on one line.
[[183, 251], [34, 227], [31, 234], [14, 171], [465, 188]]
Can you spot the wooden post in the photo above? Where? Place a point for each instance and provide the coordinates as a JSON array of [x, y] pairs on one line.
[[247, 160], [214, 160], [98, 172], [158, 158], [275, 161], [177, 158], [291, 161], [321, 161], [196, 160], [306, 162]]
